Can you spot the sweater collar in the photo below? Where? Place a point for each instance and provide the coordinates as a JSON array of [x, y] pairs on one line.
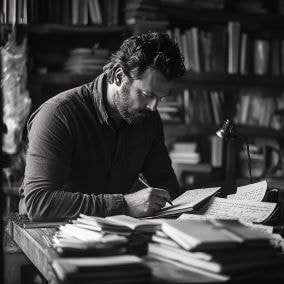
[[99, 93]]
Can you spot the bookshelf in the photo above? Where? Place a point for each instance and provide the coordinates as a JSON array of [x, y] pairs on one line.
[[52, 37], [225, 37]]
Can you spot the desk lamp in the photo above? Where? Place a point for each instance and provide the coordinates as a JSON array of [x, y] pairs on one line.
[[229, 133]]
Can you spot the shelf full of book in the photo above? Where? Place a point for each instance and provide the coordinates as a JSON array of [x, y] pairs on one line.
[[234, 54]]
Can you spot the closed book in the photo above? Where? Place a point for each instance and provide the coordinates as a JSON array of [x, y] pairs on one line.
[[104, 269], [219, 44], [234, 30], [198, 235]]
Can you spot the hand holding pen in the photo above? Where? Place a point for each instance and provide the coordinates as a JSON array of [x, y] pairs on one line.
[[141, 178]]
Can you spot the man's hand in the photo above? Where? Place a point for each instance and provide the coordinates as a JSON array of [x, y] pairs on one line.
[[146, 202]]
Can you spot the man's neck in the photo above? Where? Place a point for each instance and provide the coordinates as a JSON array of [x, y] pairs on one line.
[[111, 108]]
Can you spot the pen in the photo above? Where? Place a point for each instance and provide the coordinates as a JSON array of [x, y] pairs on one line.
[[145, 183]]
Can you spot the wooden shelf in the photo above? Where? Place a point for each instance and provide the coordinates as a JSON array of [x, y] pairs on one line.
[[61, 78], [173, 130], [221, 16], [230, 81], [253, 131], [60, 30]]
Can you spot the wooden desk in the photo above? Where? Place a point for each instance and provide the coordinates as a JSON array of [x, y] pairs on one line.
[[41, 255], [36, 248]]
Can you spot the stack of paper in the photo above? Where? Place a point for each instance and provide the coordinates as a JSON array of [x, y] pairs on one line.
[[223, 248]]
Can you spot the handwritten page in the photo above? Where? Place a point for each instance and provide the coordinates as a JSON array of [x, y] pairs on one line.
[[255, 191], [254, 211], [187, 201], [191, 197], [257, 227]]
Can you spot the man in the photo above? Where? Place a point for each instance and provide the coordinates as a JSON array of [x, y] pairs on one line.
[[88, 145]]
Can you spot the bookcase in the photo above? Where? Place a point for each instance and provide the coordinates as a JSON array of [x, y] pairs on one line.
[[234, 52]]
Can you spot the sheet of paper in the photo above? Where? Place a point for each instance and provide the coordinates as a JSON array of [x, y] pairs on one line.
[[255, 191], [253, 211], [190, 198]]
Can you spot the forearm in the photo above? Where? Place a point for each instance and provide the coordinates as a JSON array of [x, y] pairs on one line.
[[44, 204]]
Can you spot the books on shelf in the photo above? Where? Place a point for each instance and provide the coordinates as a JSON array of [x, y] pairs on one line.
[[255, 108]]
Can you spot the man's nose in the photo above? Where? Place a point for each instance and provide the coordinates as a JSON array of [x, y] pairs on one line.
[[153, 104]]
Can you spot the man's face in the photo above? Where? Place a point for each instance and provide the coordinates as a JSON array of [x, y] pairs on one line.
[[138, 99]]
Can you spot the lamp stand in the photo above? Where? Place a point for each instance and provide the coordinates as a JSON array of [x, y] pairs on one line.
[[229, 186]]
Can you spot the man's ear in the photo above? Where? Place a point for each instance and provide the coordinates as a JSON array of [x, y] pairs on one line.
[[118, 76]]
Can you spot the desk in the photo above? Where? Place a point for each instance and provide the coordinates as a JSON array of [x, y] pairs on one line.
[[41, 255]]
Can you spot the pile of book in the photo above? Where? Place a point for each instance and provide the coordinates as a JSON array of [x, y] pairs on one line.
[[146, 14], [92, 246], [222, 249], [86, 60]]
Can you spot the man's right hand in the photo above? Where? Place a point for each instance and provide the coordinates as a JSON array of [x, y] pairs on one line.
[[146, 202]]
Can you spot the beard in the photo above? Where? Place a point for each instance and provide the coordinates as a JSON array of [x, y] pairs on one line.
[[123, 105]]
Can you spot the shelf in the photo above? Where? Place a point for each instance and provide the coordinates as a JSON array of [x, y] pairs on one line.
[[253, 131], [173, 130], [221, 16], [60, 30], [230, 81], [61, 78]]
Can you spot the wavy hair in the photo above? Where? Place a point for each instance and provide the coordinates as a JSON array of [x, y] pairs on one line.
[[152, 49]]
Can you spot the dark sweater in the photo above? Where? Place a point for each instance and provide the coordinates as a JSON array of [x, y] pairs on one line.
[[78, 162]]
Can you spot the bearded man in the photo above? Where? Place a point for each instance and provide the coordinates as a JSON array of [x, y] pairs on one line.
[[88, 145]]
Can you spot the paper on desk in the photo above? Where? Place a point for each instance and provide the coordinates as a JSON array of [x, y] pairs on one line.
[[255, 192], [188, 200], [253, 211]]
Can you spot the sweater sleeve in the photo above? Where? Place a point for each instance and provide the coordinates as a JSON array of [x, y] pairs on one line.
[[157, 167], [48, 163]]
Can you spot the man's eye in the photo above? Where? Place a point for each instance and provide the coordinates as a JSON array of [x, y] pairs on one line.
[[148, 96]]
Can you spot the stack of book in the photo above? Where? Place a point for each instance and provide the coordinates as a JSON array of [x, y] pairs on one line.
[[92, 247], [90, 235], [86, 60], [185, 153], [222, 249], [145, 15]]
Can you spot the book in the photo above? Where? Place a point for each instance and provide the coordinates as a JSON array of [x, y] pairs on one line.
[[31, 224], [198, 235], [119, 224], [138, 225], [123, 268], [186, 202], [234, 30]]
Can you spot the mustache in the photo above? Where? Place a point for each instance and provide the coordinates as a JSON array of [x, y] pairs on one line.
[[145, 112]]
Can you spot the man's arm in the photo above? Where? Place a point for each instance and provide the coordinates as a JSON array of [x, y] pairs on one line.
[[160, 175], [48, 165], [157, 167]]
